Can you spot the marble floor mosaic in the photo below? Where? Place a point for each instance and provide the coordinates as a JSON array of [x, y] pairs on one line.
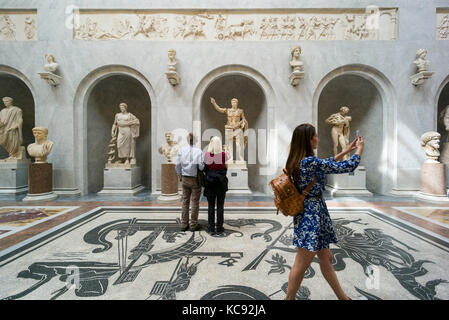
[[436, 214], [141, 253]]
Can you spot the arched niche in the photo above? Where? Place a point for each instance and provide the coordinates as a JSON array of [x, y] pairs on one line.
[[366, 109], [442, 103], [102, 105], [14, 85], [256, 97]]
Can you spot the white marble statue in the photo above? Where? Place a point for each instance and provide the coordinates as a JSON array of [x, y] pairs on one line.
[[340, 129], [51, 65], [50, 68], [42, 147], [422, 64], [430, 142], [170, 148], [172, 74], [235, 128], [11, 122], [296, 64], [126, 128]]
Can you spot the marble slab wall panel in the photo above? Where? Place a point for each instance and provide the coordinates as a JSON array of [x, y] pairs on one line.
[[18, 25]]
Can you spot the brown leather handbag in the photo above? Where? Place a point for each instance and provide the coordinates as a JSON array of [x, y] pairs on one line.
[[287, 198]]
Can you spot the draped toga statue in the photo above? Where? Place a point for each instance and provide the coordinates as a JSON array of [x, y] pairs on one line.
[[11, 122], [126, 130]]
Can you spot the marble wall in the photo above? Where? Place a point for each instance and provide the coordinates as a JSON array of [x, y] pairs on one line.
[[405, 111]]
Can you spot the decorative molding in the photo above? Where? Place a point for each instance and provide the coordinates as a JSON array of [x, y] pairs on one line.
[[19, 25], [223, 25], [442, 28]]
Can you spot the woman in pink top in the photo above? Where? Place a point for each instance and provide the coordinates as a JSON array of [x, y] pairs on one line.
[[215, 184]]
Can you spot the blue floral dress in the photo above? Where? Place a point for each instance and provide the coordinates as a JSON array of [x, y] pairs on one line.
[[313, 229]]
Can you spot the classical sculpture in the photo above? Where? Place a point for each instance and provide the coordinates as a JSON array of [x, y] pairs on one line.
[[50, 67], [170, 148], [126, 129], [444, 118], [236, 128], [42, 147], [11, 122], [422, 64], [430, 142], [296, 64], [340, 129], [172, 74]]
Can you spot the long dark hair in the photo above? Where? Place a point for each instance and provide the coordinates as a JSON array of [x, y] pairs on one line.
[[300, 148]]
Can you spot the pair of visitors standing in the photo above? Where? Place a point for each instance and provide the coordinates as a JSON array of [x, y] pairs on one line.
[[190, 160], [216, 184], [313, 229]]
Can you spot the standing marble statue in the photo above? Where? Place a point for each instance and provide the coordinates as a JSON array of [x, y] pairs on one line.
[[235, 128], [170, 148], [42, 147], [11, 122], [444, 118], [340, 129], [126, 128]]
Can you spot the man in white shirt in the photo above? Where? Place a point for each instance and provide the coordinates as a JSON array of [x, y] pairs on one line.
[[190, 159]]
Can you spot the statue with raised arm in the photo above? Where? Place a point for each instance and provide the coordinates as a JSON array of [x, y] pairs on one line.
[[11, 122], [236, 128], [340, 129], [126, 128]]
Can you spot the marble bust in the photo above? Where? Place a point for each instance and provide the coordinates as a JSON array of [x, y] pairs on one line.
[[126, 128], [297, 73], [421, 62], [50, 68], [236, 128], [340, 129], [42, 147], [11, 122], [170, 148], [430, 142], [51, 65], [172, 74]]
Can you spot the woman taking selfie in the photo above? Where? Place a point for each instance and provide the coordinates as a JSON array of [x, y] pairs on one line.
[[313, 230]]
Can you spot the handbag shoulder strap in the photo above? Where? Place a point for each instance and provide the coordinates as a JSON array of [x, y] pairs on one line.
[[306, 190]]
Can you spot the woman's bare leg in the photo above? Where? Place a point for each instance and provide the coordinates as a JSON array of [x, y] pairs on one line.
[[329, 274], [303, 260]]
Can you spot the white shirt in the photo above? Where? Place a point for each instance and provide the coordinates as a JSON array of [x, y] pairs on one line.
[[189, 160]]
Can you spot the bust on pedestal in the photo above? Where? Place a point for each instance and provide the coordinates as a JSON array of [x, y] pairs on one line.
[[169, 178], [422, 64], [124, 176], [236, 129], [40, 173], [433, 173], [13, 169]]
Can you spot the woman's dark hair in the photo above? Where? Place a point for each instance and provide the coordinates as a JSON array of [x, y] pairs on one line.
[[300, 148]]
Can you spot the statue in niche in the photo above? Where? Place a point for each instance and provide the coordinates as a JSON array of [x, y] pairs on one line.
[[170, 148], [296, 64], [430, 142], [340, 129], [236, 128], [42, 147], [11, 122], [422, 64], [444, 118], [126, 130]]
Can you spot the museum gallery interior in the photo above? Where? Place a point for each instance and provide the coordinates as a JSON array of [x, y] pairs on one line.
[[97, 99]]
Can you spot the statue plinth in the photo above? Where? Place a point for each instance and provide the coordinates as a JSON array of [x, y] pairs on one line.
[[433, 182], [420, 77], [125, 180], [169, 183], [40, 183], [51, 78], [348, 184], [14, 176], [173, 77], [238, 177], [295, 77]]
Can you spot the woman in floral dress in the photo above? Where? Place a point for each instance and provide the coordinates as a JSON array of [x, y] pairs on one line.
[[313, 230]]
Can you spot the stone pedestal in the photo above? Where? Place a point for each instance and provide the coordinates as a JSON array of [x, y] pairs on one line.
[[433, 182], [122, 180], [348, 184], [238, 178], [40, 183], [169, 183], [14, 176]]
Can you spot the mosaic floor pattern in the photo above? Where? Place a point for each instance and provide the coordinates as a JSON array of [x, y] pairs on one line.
[[440, 215], [14, 219], [140, 253]]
